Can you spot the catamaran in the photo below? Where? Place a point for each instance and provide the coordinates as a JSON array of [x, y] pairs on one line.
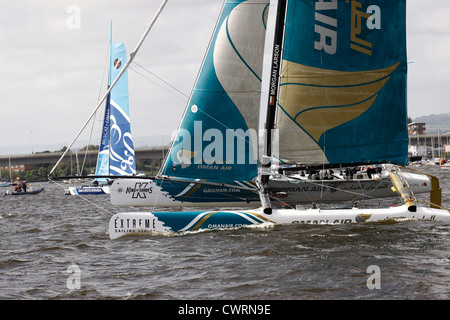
[[322, 116], [116, 155], [337, 98]]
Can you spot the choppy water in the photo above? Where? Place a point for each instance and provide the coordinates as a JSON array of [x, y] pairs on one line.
[[51, 244]]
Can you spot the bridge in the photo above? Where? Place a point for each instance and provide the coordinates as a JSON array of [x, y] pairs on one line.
[[37, 159], [431, 142]]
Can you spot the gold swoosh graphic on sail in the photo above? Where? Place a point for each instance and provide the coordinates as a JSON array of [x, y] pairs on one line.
[[319, 99]]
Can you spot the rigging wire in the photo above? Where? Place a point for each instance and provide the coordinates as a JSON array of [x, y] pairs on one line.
[[93, 120], [160, 79], [360, 195], [160, 86], [196, 80], [105, 69], [85, 199]]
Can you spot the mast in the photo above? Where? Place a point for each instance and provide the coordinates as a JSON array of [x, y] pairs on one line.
[[108, 99], [274, 82], [275, 69], [104, 152]]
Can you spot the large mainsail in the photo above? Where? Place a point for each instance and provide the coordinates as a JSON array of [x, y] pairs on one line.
[[217, 138], [343, 83], [116, 154]]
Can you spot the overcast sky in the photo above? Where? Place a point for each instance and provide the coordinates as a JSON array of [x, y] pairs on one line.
[[53, 62]]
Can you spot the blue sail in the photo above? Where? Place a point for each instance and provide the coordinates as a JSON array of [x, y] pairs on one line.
[[218, 136], [116, 154], [102, 168], [122, 159], [343, 88]]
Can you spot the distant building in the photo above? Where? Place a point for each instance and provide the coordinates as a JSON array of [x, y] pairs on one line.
[[429, 145], [19, 167], [416, 128]]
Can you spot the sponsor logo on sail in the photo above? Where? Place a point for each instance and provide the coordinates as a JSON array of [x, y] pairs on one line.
[[326, 25], [117, 63], [213, 149]]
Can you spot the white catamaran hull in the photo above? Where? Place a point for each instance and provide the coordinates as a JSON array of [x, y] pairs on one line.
[[150, 223], [146, 192]]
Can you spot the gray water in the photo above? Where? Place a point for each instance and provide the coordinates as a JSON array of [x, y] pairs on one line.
[[54, 246]]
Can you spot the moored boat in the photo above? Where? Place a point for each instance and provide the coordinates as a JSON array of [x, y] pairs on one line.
[[24, 193]]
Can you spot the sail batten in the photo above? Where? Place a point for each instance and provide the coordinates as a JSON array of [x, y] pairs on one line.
[[343, 83]]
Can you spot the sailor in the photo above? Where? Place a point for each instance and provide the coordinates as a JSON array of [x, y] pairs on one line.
[[349, 172], [24, 186]]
